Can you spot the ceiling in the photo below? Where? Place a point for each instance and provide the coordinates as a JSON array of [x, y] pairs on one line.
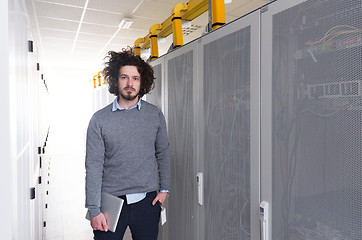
[[81, 32]]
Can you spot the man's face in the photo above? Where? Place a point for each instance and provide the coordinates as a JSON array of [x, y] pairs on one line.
[[129, 82]]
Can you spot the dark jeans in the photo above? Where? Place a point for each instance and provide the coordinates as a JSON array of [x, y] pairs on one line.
[[141, 217]]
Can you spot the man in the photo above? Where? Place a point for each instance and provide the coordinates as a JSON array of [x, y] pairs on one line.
[[127, 152]]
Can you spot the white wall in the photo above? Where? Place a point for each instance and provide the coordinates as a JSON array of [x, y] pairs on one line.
[[5, 170], [19, 126]]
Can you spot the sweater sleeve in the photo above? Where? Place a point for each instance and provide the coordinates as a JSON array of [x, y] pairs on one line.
[[163, 155], [94, 167]]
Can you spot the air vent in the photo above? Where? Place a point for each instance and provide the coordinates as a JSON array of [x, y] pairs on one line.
[[188, 28]]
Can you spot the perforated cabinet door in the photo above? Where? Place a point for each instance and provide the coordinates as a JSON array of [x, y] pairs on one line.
[[157, 97], [311, 104], [181, 213], [230, 108]]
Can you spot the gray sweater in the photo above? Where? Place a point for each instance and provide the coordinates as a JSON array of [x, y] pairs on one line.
[[127, 152]]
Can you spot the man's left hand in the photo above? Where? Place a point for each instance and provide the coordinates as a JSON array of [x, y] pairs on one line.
[[161, 197]]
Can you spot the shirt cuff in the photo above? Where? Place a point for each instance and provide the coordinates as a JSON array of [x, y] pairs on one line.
[[163, 191]]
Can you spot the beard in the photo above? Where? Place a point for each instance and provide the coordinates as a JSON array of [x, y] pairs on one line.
[[128, 96]]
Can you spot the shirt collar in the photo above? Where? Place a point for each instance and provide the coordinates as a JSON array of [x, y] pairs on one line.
[[116, 105]]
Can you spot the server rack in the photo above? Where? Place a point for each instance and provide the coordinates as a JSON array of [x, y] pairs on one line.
[[229, 72], [212, 106], [180, 72], [156, 95], [311, 118]]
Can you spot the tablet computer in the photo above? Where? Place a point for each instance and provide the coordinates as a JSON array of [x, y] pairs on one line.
[[111, 207]]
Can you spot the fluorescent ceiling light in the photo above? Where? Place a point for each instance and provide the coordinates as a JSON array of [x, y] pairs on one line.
[[125, 23]]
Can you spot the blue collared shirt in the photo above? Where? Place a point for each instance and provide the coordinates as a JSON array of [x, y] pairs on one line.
[[135, 197], [116, 106]]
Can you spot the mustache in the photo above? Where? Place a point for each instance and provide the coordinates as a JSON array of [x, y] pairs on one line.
[[129, 88]]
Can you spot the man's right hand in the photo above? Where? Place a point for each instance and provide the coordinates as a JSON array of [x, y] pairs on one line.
[[99, 223]]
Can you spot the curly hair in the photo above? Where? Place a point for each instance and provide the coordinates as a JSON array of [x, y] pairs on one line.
[[116, 60]]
